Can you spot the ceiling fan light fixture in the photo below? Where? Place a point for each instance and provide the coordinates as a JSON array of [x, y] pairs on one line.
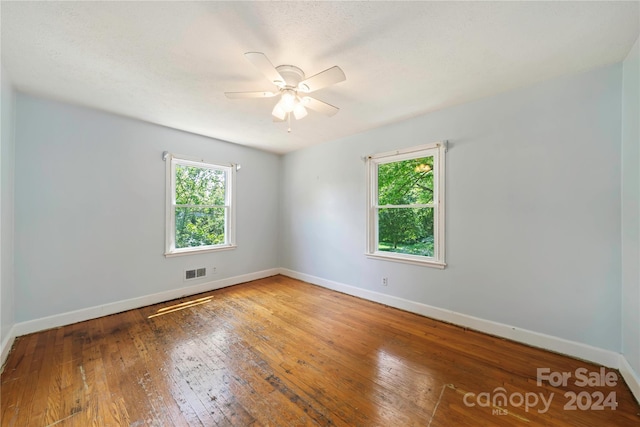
[[293, 86], [288, 100], [299, 112], [278, 112]]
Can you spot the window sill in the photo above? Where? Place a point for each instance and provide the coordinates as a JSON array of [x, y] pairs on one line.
[[195, 251], [407, 259]]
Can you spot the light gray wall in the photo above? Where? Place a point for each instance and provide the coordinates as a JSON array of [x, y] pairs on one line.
[[533, 209], [90, 208], [7, 107], [631, 208]]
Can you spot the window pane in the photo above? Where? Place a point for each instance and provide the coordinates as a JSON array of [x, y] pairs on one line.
[[406, 182], [199, 227], [199, 186], [406, 230]]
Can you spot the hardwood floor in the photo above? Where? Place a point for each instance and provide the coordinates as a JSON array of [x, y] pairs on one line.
[[279, 352]]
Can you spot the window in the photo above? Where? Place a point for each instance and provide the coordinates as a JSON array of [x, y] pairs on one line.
[[200, 206], [405, 217]]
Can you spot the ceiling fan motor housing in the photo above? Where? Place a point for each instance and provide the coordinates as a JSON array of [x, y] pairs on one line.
[[291, 74]]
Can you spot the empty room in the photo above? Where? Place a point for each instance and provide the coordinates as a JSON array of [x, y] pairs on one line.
[[320, 213]]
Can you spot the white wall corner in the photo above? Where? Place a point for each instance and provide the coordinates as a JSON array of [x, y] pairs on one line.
[[6, 345], [547, 342]]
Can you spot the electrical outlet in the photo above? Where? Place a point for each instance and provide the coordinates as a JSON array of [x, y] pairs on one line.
[[385, 281], [214, 270]]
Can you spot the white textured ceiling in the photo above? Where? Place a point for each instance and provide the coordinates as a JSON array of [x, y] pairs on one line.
[[170, 62]]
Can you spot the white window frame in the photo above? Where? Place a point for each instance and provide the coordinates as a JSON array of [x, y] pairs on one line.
[[437, 150], [230, 217]]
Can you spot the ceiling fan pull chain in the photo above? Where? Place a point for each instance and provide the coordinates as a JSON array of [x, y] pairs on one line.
[[289, 120]]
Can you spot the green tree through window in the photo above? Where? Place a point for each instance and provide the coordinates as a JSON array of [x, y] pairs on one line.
[[404, 224], [200, 206], [405, 198]]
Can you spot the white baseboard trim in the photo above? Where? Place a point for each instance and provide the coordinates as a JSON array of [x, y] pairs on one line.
[[630, 377], [81, 315], [548, 342], [6, 346]]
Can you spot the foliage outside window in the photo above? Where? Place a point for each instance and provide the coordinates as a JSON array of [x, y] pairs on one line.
[[406, 205], [200, 206]]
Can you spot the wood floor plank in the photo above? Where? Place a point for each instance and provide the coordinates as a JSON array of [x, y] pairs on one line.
[[263, 377], [340, 373], [24, 409], [280, 352]]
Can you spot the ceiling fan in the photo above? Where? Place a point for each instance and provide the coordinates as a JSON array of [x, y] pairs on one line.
[[293, 87]]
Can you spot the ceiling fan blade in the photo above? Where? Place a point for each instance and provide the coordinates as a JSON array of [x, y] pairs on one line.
[[262, 63], [240, 95], [320, 106], [323, 79]]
